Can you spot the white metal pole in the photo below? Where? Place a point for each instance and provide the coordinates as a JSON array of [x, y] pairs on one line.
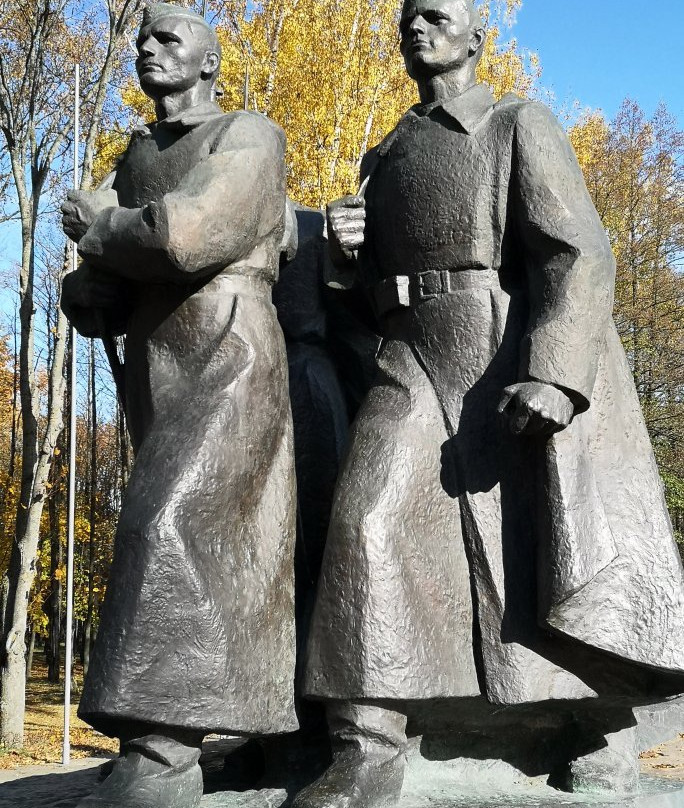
[[68, 654]]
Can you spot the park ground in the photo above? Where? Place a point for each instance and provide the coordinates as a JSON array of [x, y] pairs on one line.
[[44, 723]]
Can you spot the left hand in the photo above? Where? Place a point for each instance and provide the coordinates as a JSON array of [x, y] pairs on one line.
[[535, 408], [81, 208]]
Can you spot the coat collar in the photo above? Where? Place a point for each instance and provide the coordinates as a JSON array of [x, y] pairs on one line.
[[182, 121], [468, 109], [193, 116]]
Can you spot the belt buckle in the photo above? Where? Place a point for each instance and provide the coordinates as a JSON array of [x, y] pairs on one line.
[[433, 284]]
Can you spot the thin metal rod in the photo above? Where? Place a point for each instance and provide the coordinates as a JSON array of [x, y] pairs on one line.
[[71, 513]]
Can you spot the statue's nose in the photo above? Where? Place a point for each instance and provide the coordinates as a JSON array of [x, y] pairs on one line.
[[417, 25], [146, 48]]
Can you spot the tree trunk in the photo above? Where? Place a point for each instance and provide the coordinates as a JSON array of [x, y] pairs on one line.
[[37, 456], [124, 447], [12, 461], [24, 548]]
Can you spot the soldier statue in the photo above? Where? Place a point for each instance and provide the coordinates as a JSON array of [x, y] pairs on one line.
[[181, 248], [499, 530]]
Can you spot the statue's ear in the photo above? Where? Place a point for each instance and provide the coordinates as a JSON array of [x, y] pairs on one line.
[[211, 63], [477, 38]]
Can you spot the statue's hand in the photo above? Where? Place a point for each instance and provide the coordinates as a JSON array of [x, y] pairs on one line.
[[81, 208], [535, 408], [88, 288], [346, 220], [91, 298]]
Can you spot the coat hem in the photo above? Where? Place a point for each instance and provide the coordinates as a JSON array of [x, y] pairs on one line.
[[110, 723]]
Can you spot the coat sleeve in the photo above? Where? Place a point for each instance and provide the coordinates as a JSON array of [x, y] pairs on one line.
[[569, 266], [86, 315], [214, 217]]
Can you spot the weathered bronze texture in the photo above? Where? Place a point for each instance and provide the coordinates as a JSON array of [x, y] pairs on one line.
[[499, 529], [181, 249]]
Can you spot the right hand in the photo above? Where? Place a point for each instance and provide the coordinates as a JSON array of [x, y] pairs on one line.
[[81, 208], [346, 220], [536, 408]]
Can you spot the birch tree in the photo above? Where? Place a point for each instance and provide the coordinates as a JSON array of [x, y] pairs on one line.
[[40, 41]]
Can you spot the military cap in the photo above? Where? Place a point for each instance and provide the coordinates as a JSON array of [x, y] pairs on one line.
[[156, 11]]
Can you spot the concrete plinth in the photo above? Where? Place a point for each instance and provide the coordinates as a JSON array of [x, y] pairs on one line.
[[654, 794], [52, 787]]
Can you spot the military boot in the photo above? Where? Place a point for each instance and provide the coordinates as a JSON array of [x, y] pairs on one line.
[[154, 771], [369, 755]]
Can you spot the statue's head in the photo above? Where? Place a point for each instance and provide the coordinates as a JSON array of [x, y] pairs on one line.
[[177, 49], [438, 36]]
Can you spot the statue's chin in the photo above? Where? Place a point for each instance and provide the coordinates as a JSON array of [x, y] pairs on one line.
[[421, 64], [155, 89], [157, 85]]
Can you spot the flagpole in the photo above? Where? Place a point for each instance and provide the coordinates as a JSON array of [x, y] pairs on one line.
[[71, 513]]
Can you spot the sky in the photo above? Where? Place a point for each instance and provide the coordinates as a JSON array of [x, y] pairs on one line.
[[598, 52]]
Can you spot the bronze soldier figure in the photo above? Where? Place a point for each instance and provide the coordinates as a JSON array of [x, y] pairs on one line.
[[499, 530], [197, 631]]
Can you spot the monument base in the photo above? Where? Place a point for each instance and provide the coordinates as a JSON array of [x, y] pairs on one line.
[[457, 783], [53, 787], [654, 793]]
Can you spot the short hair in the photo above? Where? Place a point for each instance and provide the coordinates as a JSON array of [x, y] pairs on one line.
[[157, 11]]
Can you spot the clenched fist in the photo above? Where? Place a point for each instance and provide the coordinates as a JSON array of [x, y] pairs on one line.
[[535, 408], [346, 219], [81, 208]]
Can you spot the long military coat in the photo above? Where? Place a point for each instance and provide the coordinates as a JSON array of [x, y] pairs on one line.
[[461, 559], [197, 627]]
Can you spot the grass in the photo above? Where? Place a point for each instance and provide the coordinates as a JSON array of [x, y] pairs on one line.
[[44, 723]]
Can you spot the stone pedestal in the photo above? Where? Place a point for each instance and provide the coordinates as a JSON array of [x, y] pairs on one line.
[[654, 793], [657, 723], [59, 789]]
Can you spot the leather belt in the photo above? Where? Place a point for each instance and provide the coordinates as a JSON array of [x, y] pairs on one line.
[[401, 291]]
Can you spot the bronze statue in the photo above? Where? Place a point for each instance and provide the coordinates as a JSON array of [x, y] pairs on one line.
[[499, 530], [181, 250]]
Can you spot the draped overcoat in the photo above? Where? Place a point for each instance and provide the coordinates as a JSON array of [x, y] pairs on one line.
[[197, 627], [461, 559]]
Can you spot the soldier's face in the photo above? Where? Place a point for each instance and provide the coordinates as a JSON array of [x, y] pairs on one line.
[[435, 36], [172, 56]]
